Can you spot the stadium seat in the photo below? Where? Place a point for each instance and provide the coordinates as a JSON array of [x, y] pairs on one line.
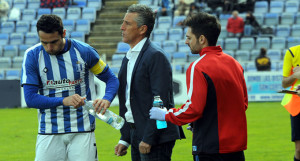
[[95, 3], [160, 34], [2, 74], [116, 60], [13, 74], [179, 58], [287, 18], [229, 52], [158, 43], [282, 30], [253, 54], [1, 50], [259, 18], [178, 68], [242, 55], [192, 57], [80, 3], [33, 26], [182, 47], [61, 12], [276, 6], [4, 39], [220, 42], [20, 4], [274, 65], [69, 25], [145, 2], [74, 13], [223, 18], [122, 48], [33, 4], [247, 43], [295, 30], [28, 14], [14, 15], [78, 35], [293, 41], [261, 7], [271, 19], [164, 22], [263, 42], [278, 43], [22, 49], [10, 51], [223, 33], [231, 43], [22, 26], [274, 54], [292, 6], [16, 38], [115, 70], [279, 66], [178, 19], [175, 34], [31, 38], [8, 27], [42, 11], [169, 46], [297, 18], [250, 67], [89, 14], [5, 62], [83, 25], [17, 62]]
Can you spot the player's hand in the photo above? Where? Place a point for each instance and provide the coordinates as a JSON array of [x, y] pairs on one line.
[[144, 148], [75, 100], [296, 69], [120, 150], [100, 104], [296, 73], [157, 113]]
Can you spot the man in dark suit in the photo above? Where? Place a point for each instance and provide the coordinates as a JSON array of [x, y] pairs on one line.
[[145, 72]]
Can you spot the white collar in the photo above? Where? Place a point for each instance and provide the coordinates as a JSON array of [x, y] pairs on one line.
[[137, 48]]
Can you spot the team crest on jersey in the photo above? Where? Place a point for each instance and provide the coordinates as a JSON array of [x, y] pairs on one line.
[[79, 66]]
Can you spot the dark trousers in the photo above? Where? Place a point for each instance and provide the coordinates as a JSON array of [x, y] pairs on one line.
[[237, 156], [161, 152]]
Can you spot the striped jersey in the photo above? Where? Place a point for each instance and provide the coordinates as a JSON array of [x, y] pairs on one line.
[[62, 76]]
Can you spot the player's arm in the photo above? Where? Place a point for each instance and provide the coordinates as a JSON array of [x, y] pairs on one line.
[[290, 74]]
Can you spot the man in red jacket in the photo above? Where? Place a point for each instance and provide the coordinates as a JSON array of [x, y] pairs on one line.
[[235, 25], [217, 96]]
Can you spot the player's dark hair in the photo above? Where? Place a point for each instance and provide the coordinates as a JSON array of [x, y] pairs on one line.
[[204, 24], [50, 24], [145, 16]]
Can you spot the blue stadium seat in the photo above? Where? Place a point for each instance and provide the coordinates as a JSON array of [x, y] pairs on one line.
[[278, 43], [259, 18], [83, 25], [95, 3], [158, 43], [247, 43], [175, 34], [160, 34], [33, 4], [287, 18], [263, 42], [80, 3], [74, 13], [253, 54], [122, 47], [178, 19], [8, 27], [10, 51], [220, 42], [78, 35], [271, 19], [182, 47], [282, 30], [31, 38], [69, 25], [231, 43], [179, 57], [297, 18], [295, 32], [169, 46], [250, 67], [274, 54], [5, 62], [42, 11], [274, 65], [192, 57], [164, 22], [279, 66], [4, 39], [22, 49], [33, 26], [229, 52], [116, 59], [13, 74], [242, 55], [292, 41], [16, 38], [1, 50], [223, 18], [115, 70], [261, 7], [17, 62], [145, 2], [20, 4], [223, 33], [89, 14], [28, 14], [22, 26], [276, 6], [292, 6], [61, 12], [2, 74]]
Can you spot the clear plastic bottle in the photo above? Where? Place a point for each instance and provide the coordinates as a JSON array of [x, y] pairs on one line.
[[159, 103], [109, 117]]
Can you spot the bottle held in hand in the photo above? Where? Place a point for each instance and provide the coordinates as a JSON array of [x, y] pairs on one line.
[[159, 103]]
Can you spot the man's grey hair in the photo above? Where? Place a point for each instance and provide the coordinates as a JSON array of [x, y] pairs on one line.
[[145, 16]]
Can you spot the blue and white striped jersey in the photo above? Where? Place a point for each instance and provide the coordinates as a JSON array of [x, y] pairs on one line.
[[61, 76]]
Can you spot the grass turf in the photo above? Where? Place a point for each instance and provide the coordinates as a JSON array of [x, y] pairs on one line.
[[268, 136]]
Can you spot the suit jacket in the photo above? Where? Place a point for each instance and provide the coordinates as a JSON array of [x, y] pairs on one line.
[[151, 76]]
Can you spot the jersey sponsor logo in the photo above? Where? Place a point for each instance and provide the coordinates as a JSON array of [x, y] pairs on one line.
[[65, 84]]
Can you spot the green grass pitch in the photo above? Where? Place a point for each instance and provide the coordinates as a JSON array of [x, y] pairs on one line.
[[268, 136]]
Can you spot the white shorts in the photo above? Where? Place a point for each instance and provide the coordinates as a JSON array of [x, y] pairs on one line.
[[66, 147]]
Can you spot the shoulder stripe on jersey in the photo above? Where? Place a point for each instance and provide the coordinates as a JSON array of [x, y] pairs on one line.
[[291, 52], [190, 89]]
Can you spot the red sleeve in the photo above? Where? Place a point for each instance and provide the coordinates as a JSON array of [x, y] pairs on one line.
[[192, 110]]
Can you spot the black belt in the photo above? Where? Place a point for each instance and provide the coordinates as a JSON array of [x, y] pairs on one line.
[[131, 125]]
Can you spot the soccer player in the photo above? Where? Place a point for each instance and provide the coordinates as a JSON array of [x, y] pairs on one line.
[[57, 76], [217, 96]]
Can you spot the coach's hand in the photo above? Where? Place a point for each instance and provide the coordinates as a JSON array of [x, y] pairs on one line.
[[144, 148], [100, 104], [120, 150], [157, 113], [75, 100]]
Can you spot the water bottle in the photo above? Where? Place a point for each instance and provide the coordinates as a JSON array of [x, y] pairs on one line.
[[159, 103], [109, 117]]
